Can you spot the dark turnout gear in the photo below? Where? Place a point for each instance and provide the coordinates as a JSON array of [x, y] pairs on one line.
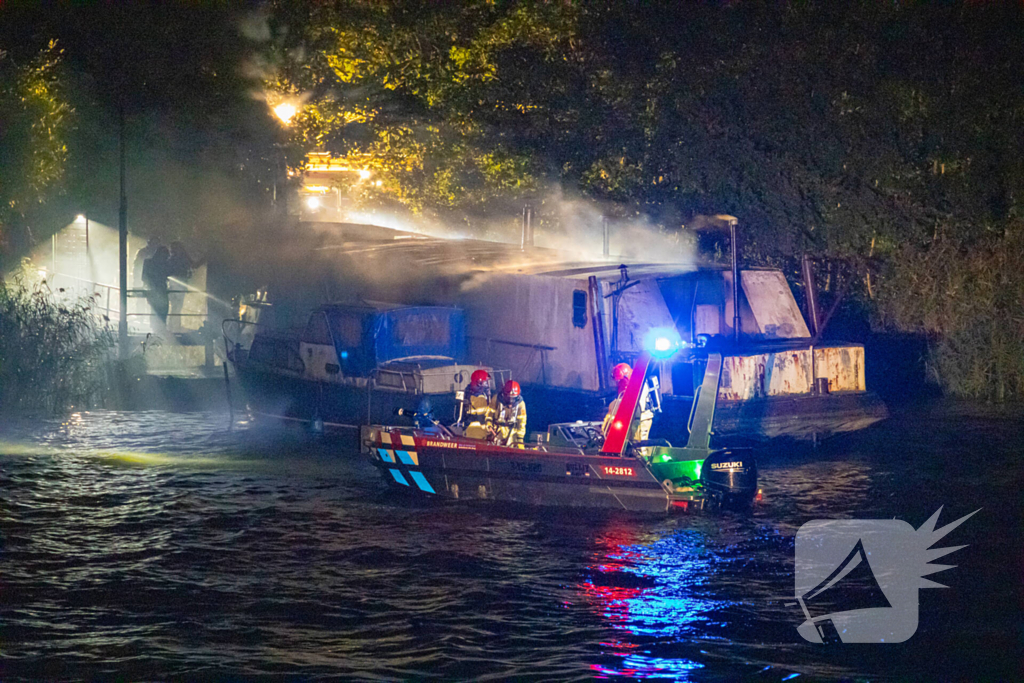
[[424, 417], [154, 275], [139, 264], [179, 269]]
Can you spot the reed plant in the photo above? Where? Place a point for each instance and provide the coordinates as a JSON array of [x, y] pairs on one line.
[[54, 350], [967, 297]]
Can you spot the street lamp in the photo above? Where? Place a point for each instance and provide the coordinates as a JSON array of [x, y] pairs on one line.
[[285, 111], [82, 218]]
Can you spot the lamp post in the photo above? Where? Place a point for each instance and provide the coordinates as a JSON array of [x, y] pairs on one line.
[[82, 218]]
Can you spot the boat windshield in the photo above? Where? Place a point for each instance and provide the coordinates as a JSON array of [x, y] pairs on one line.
[[422, 331], [347, 328]]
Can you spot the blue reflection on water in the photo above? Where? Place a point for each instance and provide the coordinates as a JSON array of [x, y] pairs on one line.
[[654, 593]]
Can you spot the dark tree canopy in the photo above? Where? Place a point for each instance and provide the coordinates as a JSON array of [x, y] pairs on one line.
[[824, 126]]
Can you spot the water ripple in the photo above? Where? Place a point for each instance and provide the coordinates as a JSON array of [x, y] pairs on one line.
[[156, 545]]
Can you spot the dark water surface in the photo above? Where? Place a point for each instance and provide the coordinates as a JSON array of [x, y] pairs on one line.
[[160, 546]]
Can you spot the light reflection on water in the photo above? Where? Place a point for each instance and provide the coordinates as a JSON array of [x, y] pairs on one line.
[[161, 545], [658, 601]]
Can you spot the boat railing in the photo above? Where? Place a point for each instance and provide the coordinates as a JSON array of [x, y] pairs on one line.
[[411, 381], [399, 380], [106, 304], [238, 336], [535, 350]]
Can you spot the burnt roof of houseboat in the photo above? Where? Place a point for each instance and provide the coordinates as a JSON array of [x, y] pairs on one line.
[[469, 254]]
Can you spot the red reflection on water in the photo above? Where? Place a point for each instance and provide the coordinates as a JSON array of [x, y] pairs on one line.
[[642, 585]]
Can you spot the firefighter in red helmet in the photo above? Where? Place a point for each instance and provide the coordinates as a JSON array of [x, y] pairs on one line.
[[510, 416], [621, 374], [477, 412]]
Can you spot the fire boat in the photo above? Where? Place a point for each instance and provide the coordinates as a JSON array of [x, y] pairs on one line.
[[576, 464]]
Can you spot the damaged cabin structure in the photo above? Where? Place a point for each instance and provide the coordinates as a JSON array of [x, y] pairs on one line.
[[559, 323]]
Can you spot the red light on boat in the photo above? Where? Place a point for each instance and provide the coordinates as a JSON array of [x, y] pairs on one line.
[[759, 496], [681, 503]]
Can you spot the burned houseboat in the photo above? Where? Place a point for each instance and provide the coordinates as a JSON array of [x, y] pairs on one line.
[[555, 322], [354, 365]]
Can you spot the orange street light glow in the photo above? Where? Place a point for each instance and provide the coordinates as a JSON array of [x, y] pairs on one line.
[[285, 111]]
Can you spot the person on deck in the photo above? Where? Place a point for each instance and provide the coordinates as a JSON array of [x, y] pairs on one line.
[[643, 415], [477, 414], [509, 416], [138, 265], [423, 418], [140, 259], [621, 374], [179, 267], [154, 275]]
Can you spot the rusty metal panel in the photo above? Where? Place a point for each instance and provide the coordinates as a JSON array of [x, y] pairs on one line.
[[787, 373], [790, 372], [842, 365], [773, 305], [780, 373]]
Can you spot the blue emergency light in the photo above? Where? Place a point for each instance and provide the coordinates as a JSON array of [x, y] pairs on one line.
[[662, 342]]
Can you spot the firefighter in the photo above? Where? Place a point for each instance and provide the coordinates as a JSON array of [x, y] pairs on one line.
[[621, 374], [643, 416], [510, 416], [423, 418], [477, 412]]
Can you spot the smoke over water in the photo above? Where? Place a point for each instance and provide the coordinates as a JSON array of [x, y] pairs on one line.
[[571, 226]]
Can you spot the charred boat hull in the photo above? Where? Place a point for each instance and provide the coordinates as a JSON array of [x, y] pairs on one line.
[[342, 408]]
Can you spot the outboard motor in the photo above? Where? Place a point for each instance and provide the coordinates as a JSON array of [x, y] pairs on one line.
[[729, 477]]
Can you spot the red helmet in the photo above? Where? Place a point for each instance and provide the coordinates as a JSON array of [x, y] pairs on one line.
[[479, 377], [621, 371], [621, 374], [511, 389]]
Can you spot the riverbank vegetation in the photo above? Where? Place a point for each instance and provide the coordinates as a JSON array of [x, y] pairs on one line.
[[885, 135], [54, 352], [967, 298]]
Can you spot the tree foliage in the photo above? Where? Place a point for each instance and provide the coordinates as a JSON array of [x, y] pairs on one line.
[[35, 117], [822, 126], [966, 299]]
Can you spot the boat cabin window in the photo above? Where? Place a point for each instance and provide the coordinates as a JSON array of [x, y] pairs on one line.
[[317, 331], [579, 308], [278, 353], [347, 327], [422, 329]]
